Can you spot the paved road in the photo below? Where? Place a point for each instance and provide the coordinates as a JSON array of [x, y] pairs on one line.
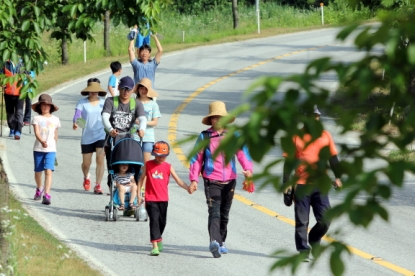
[[77, 216]]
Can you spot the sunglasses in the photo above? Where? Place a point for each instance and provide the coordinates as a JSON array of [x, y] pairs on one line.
[[93, 80]]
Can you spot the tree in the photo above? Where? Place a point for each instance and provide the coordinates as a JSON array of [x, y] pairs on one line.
[[235, 13], [107, 24], [269, 116]]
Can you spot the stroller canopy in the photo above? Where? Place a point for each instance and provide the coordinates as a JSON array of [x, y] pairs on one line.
[[127, 151]]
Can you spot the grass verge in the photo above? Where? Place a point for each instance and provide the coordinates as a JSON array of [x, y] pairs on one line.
[[37, 252]]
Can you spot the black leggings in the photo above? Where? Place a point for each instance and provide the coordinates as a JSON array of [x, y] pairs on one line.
[[157, 212]]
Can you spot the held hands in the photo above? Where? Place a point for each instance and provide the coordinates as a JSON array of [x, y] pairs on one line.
[[192, 187]]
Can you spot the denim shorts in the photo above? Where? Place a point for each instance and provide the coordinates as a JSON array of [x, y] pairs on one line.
[[44, 161], [148, 146]]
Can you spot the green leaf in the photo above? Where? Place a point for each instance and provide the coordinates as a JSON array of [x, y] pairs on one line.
[[73, 11], [3, 45], [336, 263], [36, 10], [25, 25], [6, 55], [80, 8], [411, 54], [37, 29], [25, 10]]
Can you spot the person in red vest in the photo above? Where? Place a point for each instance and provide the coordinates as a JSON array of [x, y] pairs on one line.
[[14, 106]]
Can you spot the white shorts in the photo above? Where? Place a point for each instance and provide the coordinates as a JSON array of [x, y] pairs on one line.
[[127, 188]]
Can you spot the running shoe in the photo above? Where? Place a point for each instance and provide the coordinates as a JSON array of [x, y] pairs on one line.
[[155, 252], [11, 133], [17, 135], [87, 184], [223, 249], [38, 194], [214, 248], [97, 189], [46, 199]]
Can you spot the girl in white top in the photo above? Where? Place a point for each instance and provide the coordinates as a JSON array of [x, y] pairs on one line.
[[88, 112], [45, 127]]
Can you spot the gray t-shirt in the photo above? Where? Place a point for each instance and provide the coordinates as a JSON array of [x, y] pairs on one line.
[[122, 119]]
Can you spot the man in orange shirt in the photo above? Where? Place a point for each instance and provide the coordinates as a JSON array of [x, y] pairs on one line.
[[308, 156]]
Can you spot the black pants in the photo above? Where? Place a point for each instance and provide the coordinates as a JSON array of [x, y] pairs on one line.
[[14, 111], [219, 200], [28, 110], [320, 203], [157, 212]]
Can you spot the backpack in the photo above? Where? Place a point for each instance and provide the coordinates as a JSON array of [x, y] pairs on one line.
[[10, 70], [206, 135]]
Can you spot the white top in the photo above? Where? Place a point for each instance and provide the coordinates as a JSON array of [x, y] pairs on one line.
[[47, 127]]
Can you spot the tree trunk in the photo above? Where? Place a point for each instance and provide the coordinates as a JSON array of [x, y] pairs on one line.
[[4, 216], [235, 13], [64, 47], [107, 33]]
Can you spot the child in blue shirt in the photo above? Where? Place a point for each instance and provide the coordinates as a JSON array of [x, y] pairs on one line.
[[113, 81]]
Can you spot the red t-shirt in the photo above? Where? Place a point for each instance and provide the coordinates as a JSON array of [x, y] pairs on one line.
[[310, 155], [158, 176]]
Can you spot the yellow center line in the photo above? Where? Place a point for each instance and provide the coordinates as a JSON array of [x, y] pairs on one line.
[[172, 136]]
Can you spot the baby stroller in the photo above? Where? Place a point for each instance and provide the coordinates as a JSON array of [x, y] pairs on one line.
[[124, 150]]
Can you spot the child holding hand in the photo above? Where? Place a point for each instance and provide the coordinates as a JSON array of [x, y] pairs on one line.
[[157, 174]]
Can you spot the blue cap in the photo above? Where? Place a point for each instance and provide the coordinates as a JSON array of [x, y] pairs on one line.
[[126, 82], [131, 35]]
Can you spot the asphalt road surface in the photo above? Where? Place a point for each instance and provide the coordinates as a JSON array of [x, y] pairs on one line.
[[187, 82]]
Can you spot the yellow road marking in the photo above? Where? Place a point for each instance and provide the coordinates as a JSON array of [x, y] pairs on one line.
[[172, 136]]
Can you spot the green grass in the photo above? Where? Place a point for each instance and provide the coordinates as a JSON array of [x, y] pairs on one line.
[[37, 252], [399, 155]]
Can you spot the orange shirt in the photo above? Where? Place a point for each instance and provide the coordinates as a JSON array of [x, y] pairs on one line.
[[310, 154]]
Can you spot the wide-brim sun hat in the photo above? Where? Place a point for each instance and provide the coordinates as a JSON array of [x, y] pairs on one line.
[[45, 98], [147, 84], [94, 87], [217, 108]]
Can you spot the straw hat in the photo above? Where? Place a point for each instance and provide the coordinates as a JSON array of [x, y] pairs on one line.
[[94, 87], [147, 84], [216, 109], [45, 98]]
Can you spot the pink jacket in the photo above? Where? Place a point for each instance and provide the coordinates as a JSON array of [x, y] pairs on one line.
[[217, 169]]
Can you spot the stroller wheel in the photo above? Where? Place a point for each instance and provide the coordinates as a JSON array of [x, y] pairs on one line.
[[107, 213], [115, 215], [136, 215]]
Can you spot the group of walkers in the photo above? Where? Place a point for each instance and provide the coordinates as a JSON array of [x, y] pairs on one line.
[[130, 105]]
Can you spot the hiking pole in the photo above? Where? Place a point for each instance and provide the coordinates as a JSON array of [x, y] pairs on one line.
[[1, 120]]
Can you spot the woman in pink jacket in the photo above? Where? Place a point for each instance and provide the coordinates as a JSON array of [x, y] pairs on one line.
[[219, 178]]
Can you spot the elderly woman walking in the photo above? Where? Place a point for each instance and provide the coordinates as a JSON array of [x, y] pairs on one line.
[[219, 178], [88, 117]]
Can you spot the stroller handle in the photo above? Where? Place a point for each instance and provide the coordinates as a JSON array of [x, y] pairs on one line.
[[120, 133]]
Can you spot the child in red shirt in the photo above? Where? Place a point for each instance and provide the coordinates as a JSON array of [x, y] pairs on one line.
[[156, 174]]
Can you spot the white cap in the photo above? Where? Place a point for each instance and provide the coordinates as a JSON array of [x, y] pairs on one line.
[[316, 111]]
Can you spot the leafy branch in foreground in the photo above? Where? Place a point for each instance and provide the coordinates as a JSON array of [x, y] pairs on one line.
[[273, 110]]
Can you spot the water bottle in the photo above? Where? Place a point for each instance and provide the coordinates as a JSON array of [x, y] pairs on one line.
[[142, 213]]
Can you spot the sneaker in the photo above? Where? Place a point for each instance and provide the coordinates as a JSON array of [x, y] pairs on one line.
[[87, 184], [154, 252], [38, 194], [97, 189], [160, 246], [11, 133], [288, 198], [46, 199], [223, 249], [26, 123], [214, 248], [17, 135]]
